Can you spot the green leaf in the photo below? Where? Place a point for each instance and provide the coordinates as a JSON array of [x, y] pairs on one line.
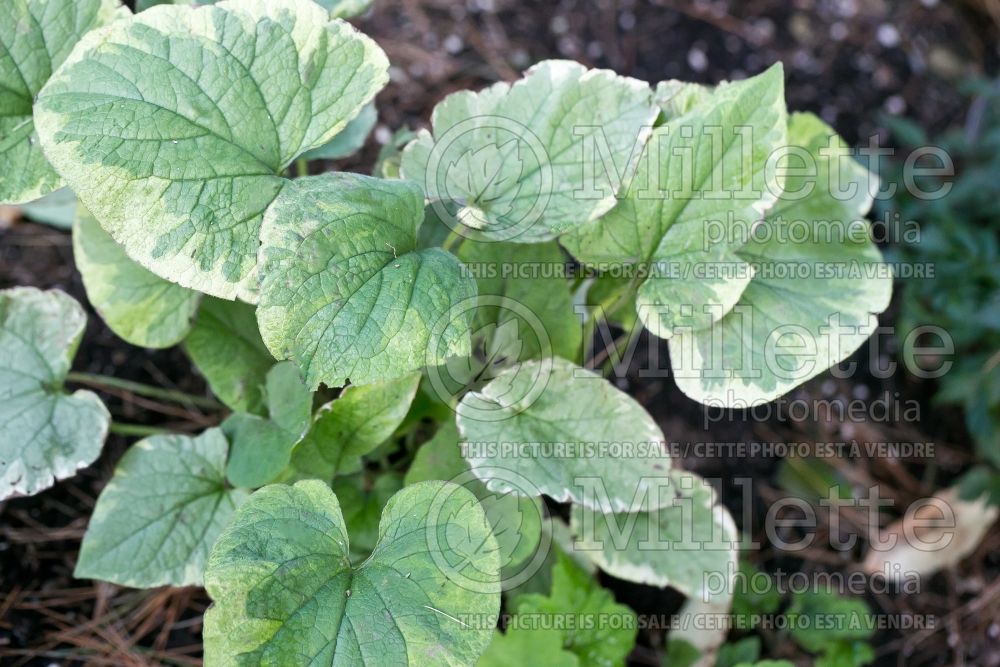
[[617, 304], [343, 9], [819, 619], [517, 522], [45, 434], [525, 285], [36, 36], [363, 500], [349, 140], [522, 159], [575, 594], [262, 447], [438, 458], [687, 544], [846, 654], [285, 591], [226, 347], [676, 98], [758, 595], [978, 482], [174, 126], [57, 208], [699, 187], [563, 418], [347, 9], [353, 425], [786, 329], [740, 652], [139, 306], [344, 291], [158, 517], [527, 646], [390, 156], [680, 653]]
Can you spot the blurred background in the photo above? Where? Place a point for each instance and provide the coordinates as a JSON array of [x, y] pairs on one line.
[[912, 73]]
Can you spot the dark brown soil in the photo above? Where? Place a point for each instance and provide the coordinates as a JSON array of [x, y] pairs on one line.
[[848, 60]]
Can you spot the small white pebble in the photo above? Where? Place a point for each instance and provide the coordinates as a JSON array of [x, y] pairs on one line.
[[453, 44], [626, 21], [887, 35], [697, 59], [838, 31], [895, 105]]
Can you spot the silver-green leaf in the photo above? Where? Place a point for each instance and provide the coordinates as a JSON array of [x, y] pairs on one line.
[[349, 140], [820, 282], [690, 543], [36, 36], [522, 160], [158, 517], [174, 126], [138, 305], [286, 593], [45, 434], [706, 176], [226, 347], [566, 430], [352, 425], [344, 291]]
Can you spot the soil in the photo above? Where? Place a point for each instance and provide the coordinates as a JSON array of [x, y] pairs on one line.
[[848, 60]]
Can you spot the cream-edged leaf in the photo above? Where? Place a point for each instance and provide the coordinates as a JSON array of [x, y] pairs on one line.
[[158, 517], [286, 593], [45, 434], [139, 306], [344, 291], [174, 126]]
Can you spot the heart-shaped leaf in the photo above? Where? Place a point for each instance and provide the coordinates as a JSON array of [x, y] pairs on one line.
[[574, 593], [517, 521], [262, 447], [36, 36], [566, 430], [527, 285], [158, 517], [349, 140], [225, 345], [522, 160], [285, 591], [689, 543], [45, 434], [174, 126], [362, 500], [820, 283], [344, 291], [138, 305], [704, 179], [358, 421]]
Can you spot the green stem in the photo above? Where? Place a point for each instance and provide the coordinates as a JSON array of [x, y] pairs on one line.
[[174, 396], [622, 346], [598, 312], [136, 430], [301, 167], [452, 241]]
